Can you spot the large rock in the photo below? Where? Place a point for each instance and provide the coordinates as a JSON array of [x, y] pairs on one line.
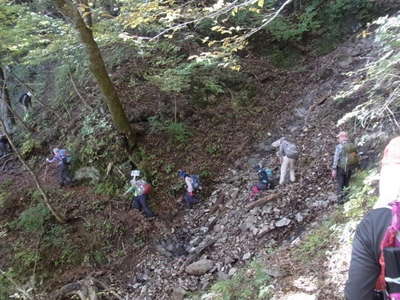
[[282, 222], [178, 293], [87, 173], [200, 267]]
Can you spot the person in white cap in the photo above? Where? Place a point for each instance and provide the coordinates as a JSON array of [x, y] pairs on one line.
[[141, 190], [345, 160], [26, 101]]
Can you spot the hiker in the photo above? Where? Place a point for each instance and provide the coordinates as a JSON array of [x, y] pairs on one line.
[[141, 190], [288, 154], [192, 185], [344, 162], [264, 180], [5, 146], [26, 100], [376, 231], [63, 160]]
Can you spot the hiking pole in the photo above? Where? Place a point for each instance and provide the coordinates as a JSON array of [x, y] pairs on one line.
[[45, 173]]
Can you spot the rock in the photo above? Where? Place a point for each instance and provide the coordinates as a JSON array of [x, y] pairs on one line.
[[246, 256], [232, 271], [275, 272], [299, 217], [344, 61], [199, 267], [87, 173], [222, 275], [234, 193], [282, 222], [178, 293]]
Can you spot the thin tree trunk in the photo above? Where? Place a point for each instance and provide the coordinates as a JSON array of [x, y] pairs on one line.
[[46, 201], [8, 116], [87, 14], [98, 69]]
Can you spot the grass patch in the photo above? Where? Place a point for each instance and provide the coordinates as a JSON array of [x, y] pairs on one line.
[[250, 283]]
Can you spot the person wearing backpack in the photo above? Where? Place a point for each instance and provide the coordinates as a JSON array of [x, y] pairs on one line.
[[288, 154], [141, 190], [63, 160], [192, 185], [374, 270], [345, 160], [264, 180]]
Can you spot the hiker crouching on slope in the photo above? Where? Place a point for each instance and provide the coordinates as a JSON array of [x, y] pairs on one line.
[[192, 184], [344, 162], [288, 154], [141, 190], [264, 181], [63, 160], [379, 229]]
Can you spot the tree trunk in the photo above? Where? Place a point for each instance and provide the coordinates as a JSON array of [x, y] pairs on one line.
[[7, 116], [98, 69], [46, 201], [87, 14]]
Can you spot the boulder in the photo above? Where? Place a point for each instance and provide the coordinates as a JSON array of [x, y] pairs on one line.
[[200, 267]]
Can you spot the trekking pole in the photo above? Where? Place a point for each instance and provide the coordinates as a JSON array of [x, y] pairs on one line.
[[45, 173]]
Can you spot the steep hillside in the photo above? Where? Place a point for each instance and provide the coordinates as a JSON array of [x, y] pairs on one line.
[[217, 123]]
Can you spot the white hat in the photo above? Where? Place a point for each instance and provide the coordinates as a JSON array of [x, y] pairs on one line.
[[135, 173]]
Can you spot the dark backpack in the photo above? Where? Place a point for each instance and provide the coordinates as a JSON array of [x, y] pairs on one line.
[[196, 184], [349, 159], [265, 175]]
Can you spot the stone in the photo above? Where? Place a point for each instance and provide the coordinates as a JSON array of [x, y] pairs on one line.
[[87, 173], [232, 271], [200, 267], [283, 222], [222, 275], [275, 272], [178, 293], [246, 256], [299, 217]]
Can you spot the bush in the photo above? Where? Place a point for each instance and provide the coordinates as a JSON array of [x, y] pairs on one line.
[[250, 283], [33, 219]]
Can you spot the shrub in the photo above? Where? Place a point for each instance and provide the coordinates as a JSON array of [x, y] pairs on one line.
[[33, 219]]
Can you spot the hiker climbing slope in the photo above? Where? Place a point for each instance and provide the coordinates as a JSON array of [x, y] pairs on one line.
[[192, 186], [63, 160], [141, 190], [264, 180], [345, 160]]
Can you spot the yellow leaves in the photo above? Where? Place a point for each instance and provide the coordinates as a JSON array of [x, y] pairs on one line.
[[260, 3]]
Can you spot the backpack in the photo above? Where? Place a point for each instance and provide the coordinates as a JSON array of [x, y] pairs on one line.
[[196, 184], [66, 156], [389, 257], [349, 159], [265, 175], [143, 187], [291, 150]]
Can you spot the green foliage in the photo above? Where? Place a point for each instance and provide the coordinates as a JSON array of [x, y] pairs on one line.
[[106, 188], [6, 287], [361, 194], [33, 219], [28, 147], [251, 283], [25, 259], [176, 130]]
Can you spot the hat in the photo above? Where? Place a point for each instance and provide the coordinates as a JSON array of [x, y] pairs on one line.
[[257, 166], [342, 134], [391, 155], [135, 173]]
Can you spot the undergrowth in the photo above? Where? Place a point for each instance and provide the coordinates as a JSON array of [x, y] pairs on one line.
[[250, 283]]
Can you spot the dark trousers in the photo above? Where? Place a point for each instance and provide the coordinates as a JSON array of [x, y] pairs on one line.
[[140, 203], [189, 199], [342, 180], [65, 175]]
